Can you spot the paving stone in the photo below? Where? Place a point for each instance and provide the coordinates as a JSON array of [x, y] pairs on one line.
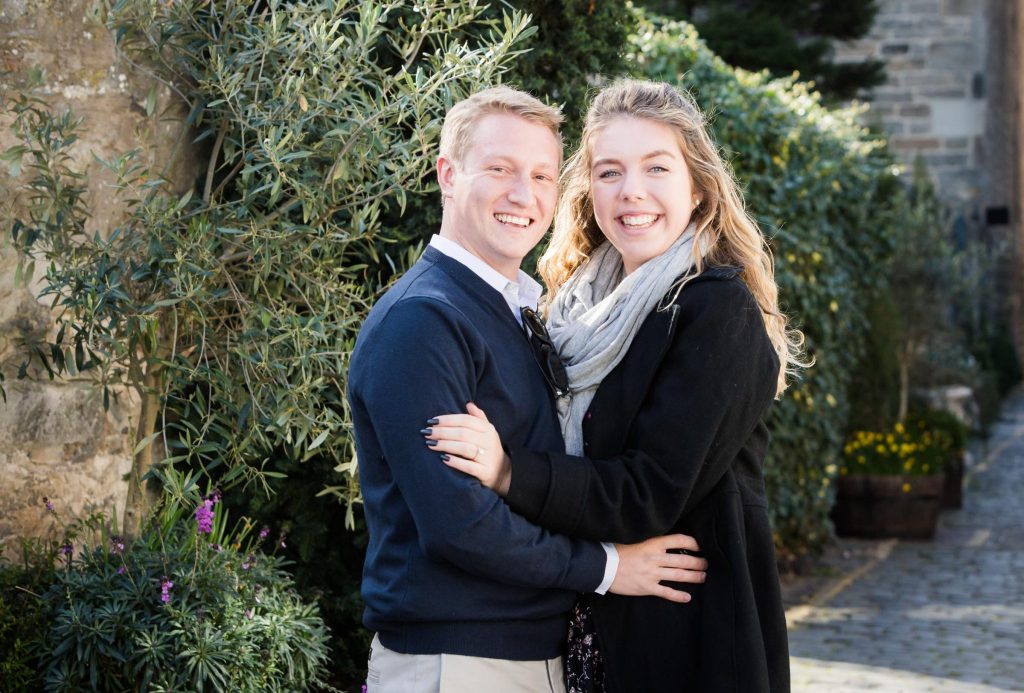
[[946, 615]]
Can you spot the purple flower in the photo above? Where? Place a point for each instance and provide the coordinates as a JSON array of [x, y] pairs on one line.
[[204, 517], [248, 613], [280, 539], [116, 544], [265, 532], [121, 570], [49, 505], [248, 562], [68, 549], [165, 590], [216, 496]]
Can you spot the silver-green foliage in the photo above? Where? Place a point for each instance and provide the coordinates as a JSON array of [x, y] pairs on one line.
[[240, 300]]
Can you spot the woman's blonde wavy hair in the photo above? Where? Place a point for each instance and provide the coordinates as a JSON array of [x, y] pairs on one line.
[[724, 228]]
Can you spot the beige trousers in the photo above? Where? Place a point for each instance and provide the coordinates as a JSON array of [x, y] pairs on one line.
[[393, 672]]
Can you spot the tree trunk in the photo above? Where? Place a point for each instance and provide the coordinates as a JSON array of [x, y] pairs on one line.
[[906, 358], [142, 496]]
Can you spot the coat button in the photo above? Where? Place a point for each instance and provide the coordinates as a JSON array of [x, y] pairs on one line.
[[586, 417]]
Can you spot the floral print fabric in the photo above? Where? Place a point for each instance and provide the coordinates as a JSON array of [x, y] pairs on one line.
[[584, 665]]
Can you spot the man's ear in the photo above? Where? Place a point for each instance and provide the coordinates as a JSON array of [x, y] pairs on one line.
[[446, 176]]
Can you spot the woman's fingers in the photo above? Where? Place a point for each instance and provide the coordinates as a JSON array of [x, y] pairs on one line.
[[460, 448], [469, 421]]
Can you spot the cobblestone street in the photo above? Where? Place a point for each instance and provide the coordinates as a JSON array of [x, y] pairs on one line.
[[944, 615]]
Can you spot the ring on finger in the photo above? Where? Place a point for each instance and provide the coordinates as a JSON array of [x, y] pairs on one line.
[[479, 450]]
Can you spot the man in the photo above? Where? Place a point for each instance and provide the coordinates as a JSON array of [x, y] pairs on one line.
[[463, 594]]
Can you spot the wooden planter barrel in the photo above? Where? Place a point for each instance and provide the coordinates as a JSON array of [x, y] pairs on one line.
[[876, 506]]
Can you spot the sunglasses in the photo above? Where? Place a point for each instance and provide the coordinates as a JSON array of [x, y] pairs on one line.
[[545, 352]]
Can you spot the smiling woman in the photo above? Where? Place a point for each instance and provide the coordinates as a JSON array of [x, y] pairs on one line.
[[641, 187]]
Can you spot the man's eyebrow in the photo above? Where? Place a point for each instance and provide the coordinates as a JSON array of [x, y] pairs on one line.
[[651, 155]]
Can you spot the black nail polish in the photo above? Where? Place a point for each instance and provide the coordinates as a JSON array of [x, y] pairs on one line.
[[445, 456], [432, 422], [426, 431], [431, 443]]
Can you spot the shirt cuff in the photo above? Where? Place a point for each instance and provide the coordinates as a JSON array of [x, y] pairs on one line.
[[611, 567]]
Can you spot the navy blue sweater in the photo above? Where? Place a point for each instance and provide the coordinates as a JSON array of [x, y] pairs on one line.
[[449, 568]]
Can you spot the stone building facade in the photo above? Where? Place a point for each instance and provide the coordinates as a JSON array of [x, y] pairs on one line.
[[55, 439], [952, 97]]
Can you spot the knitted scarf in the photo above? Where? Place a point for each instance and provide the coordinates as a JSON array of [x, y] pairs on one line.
[[596, 314]]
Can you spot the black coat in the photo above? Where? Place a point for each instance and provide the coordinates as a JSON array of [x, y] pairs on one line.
[[675, 442]]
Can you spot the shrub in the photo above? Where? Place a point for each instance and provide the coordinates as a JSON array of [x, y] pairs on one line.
[[826, 192], [187, 606], [23, 619]]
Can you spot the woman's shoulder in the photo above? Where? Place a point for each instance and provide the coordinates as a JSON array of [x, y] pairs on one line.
[[719, 285]]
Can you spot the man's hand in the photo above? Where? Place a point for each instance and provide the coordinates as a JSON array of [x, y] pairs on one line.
[[643, 566]]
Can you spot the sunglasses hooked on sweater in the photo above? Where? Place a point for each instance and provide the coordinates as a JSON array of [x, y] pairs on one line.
[[545, 353]]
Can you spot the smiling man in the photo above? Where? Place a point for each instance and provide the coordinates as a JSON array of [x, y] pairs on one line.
[[463, 594]]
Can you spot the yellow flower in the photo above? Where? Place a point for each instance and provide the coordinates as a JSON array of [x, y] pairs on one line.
[[834, 307], [880, 448], [829, 398], [924, 467], [860, 459], [907, 465], [899, 428], [906, 488]]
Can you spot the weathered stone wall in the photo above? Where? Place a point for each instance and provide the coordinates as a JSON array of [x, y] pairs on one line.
[[933, 103], [952, 97], [55, 439]]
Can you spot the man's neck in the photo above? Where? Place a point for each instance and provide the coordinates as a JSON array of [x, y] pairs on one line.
[[510, 272]]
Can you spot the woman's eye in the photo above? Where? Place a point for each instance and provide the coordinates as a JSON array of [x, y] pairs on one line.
[[659, 169], [608, 174]]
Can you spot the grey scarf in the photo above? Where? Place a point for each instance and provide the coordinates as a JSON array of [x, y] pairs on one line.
[[596, 314]]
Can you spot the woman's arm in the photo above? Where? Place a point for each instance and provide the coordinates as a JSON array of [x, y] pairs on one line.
[[710, 392]]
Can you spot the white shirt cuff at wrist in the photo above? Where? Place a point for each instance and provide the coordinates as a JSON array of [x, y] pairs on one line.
[[611, 567]]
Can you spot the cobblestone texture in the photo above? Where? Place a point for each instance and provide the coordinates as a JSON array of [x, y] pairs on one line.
[[945, 615]]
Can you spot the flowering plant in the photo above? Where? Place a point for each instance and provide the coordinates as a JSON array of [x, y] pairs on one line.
[[916, 448], [190, 605]]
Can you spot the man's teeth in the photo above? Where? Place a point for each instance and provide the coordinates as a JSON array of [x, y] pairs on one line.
[[639, 219], [509, 219]]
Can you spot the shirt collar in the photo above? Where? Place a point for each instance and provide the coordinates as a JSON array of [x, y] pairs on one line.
[[525, 288]]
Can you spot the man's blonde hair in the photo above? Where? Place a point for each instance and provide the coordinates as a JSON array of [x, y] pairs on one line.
[[457, 131]]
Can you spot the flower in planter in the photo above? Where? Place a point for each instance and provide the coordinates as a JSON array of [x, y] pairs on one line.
[[912, 449]]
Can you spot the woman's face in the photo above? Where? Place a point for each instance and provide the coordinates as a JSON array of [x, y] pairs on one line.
[[641, 188]]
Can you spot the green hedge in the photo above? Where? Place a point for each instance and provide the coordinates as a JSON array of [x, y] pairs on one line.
[[825, 190]]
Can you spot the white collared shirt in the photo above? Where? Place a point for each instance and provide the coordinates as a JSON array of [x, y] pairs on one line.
[[525, 292]]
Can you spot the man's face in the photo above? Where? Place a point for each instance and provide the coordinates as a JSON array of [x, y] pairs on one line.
[[500, 198]]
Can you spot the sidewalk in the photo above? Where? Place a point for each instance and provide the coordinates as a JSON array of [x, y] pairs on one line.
[[945, 615]]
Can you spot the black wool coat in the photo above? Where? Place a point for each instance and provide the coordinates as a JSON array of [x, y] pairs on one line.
[[675, 442]]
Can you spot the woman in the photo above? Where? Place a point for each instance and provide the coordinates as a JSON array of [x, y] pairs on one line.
[[664, 307]]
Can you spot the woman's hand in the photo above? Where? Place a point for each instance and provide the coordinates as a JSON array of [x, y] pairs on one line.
[[471, 445]]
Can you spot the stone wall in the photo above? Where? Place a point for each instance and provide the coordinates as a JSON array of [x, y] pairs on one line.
[[933, 103], [952, 98], [55, 439]]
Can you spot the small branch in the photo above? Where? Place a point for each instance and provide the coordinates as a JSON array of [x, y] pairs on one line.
[[212, 167]]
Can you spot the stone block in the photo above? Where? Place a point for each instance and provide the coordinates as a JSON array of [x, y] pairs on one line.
[[917, 110], [891, 49], [953, 55]]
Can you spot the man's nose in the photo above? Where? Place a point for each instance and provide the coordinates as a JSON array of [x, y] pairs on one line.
[[521, 191]]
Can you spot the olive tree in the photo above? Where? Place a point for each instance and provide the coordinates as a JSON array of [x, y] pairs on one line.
[[232, 310]]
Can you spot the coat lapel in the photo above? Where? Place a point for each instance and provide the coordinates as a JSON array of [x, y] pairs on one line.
[[620, 394]]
